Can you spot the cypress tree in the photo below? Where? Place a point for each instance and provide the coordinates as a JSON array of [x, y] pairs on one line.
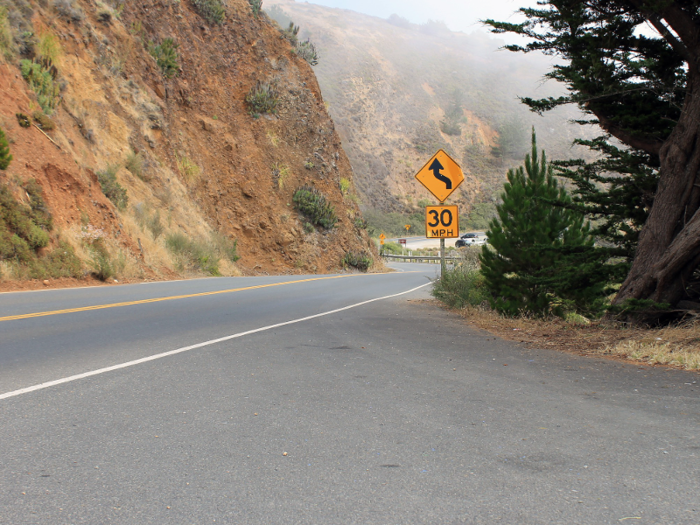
[[5, 156], [541, 257]]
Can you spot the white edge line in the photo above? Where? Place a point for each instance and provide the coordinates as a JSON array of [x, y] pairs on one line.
[[135, 362]]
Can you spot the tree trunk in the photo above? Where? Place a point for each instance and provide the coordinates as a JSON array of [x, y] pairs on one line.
[[669, 243]]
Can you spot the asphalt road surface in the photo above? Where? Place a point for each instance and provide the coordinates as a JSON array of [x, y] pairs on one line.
[[323, 399]]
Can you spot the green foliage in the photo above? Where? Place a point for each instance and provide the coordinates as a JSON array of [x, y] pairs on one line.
[[262, 98], [193, 254], [212, 11], [60, 262], [111, 188], [166, 56], [344, 186], [188, 169], [480, 216], [23, 229], [463, 285], [392, 224], [44, 121], [314, 205], [291, 33], [41, 81], [23, 120], [7, 44], [134, 163], [48, 49], [5, 156], [392, 247], [103, 266], [360, 260], [280, 173], [541, 257], [256, 6], [307, 50]]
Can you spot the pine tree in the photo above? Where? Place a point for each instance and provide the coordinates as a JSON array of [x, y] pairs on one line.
[[5, 156], [543, 260]]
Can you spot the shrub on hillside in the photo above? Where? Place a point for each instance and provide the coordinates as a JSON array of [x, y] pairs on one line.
[[314, 205], [166, 56], [307, 51], [41, 81], [262, 98], [23, 229], [211, 10], [256, 6], [5, 156], [111, 188], [193, 254], [359, 260], [463, 285]]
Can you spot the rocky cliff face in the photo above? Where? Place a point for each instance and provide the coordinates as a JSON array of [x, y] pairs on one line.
[[197, 164]]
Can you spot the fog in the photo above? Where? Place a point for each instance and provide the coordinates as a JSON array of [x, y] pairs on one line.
[[459, 15]]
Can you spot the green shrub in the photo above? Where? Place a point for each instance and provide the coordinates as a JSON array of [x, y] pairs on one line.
[[344, 186], [7, 44], [61, 262], [280, 172], [360, 260], [154, 225], [211, 10], [44, 121], [48, 49], [23, 120], [463, 285], [102, 265], [111, 188], [5, 156], [188, 169], [41, 81], [307, 51], [192, 254], [256, 6], [392, 247], [314, 205], [23, 229], [291, 33], [134, 163], [262, 98], [166, 57]]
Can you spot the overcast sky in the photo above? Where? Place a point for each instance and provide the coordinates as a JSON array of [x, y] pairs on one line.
[[459, 15]]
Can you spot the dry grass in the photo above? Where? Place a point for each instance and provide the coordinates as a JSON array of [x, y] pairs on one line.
[[677, 346]]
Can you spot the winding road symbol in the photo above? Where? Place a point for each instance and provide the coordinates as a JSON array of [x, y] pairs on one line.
[[435, 167], [441, 175]]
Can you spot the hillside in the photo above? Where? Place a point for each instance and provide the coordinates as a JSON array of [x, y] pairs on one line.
[[398, 92], [208, 182]]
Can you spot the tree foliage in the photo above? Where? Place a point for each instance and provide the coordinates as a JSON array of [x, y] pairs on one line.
[[639, 88], [542, 258]]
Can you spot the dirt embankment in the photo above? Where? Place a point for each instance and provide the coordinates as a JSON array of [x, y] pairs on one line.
[[207, 169]]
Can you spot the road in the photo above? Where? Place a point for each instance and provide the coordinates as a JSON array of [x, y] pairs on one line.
[[323, 399]]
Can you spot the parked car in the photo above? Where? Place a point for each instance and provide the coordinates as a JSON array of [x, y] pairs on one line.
[[470, 239]]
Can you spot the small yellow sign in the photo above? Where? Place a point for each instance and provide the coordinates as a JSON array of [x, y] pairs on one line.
[[381, 238], [441, 222], [441, 175], [407, 226]]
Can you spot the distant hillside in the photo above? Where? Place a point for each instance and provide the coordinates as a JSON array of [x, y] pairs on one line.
[[398, 92]]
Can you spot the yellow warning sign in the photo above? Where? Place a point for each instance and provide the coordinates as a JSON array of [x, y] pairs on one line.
[[441, 222], [441, 175]]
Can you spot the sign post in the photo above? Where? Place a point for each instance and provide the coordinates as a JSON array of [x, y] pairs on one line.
[[441, 175]]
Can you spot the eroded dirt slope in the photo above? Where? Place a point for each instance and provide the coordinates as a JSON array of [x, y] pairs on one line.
[[209, 170]]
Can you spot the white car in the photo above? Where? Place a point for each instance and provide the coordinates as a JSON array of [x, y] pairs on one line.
[[470, 239]]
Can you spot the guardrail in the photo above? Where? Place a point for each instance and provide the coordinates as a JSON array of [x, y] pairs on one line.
[[419, 258]]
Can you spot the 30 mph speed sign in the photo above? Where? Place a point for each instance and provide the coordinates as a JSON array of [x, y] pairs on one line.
[[441, 222]]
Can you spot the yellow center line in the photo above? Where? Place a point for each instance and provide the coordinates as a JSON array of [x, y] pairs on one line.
[[171, 298]]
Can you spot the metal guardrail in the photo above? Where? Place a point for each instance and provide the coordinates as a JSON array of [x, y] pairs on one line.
[[418, 258]]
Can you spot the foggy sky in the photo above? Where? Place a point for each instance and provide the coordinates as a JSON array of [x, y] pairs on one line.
[[459, 15]]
